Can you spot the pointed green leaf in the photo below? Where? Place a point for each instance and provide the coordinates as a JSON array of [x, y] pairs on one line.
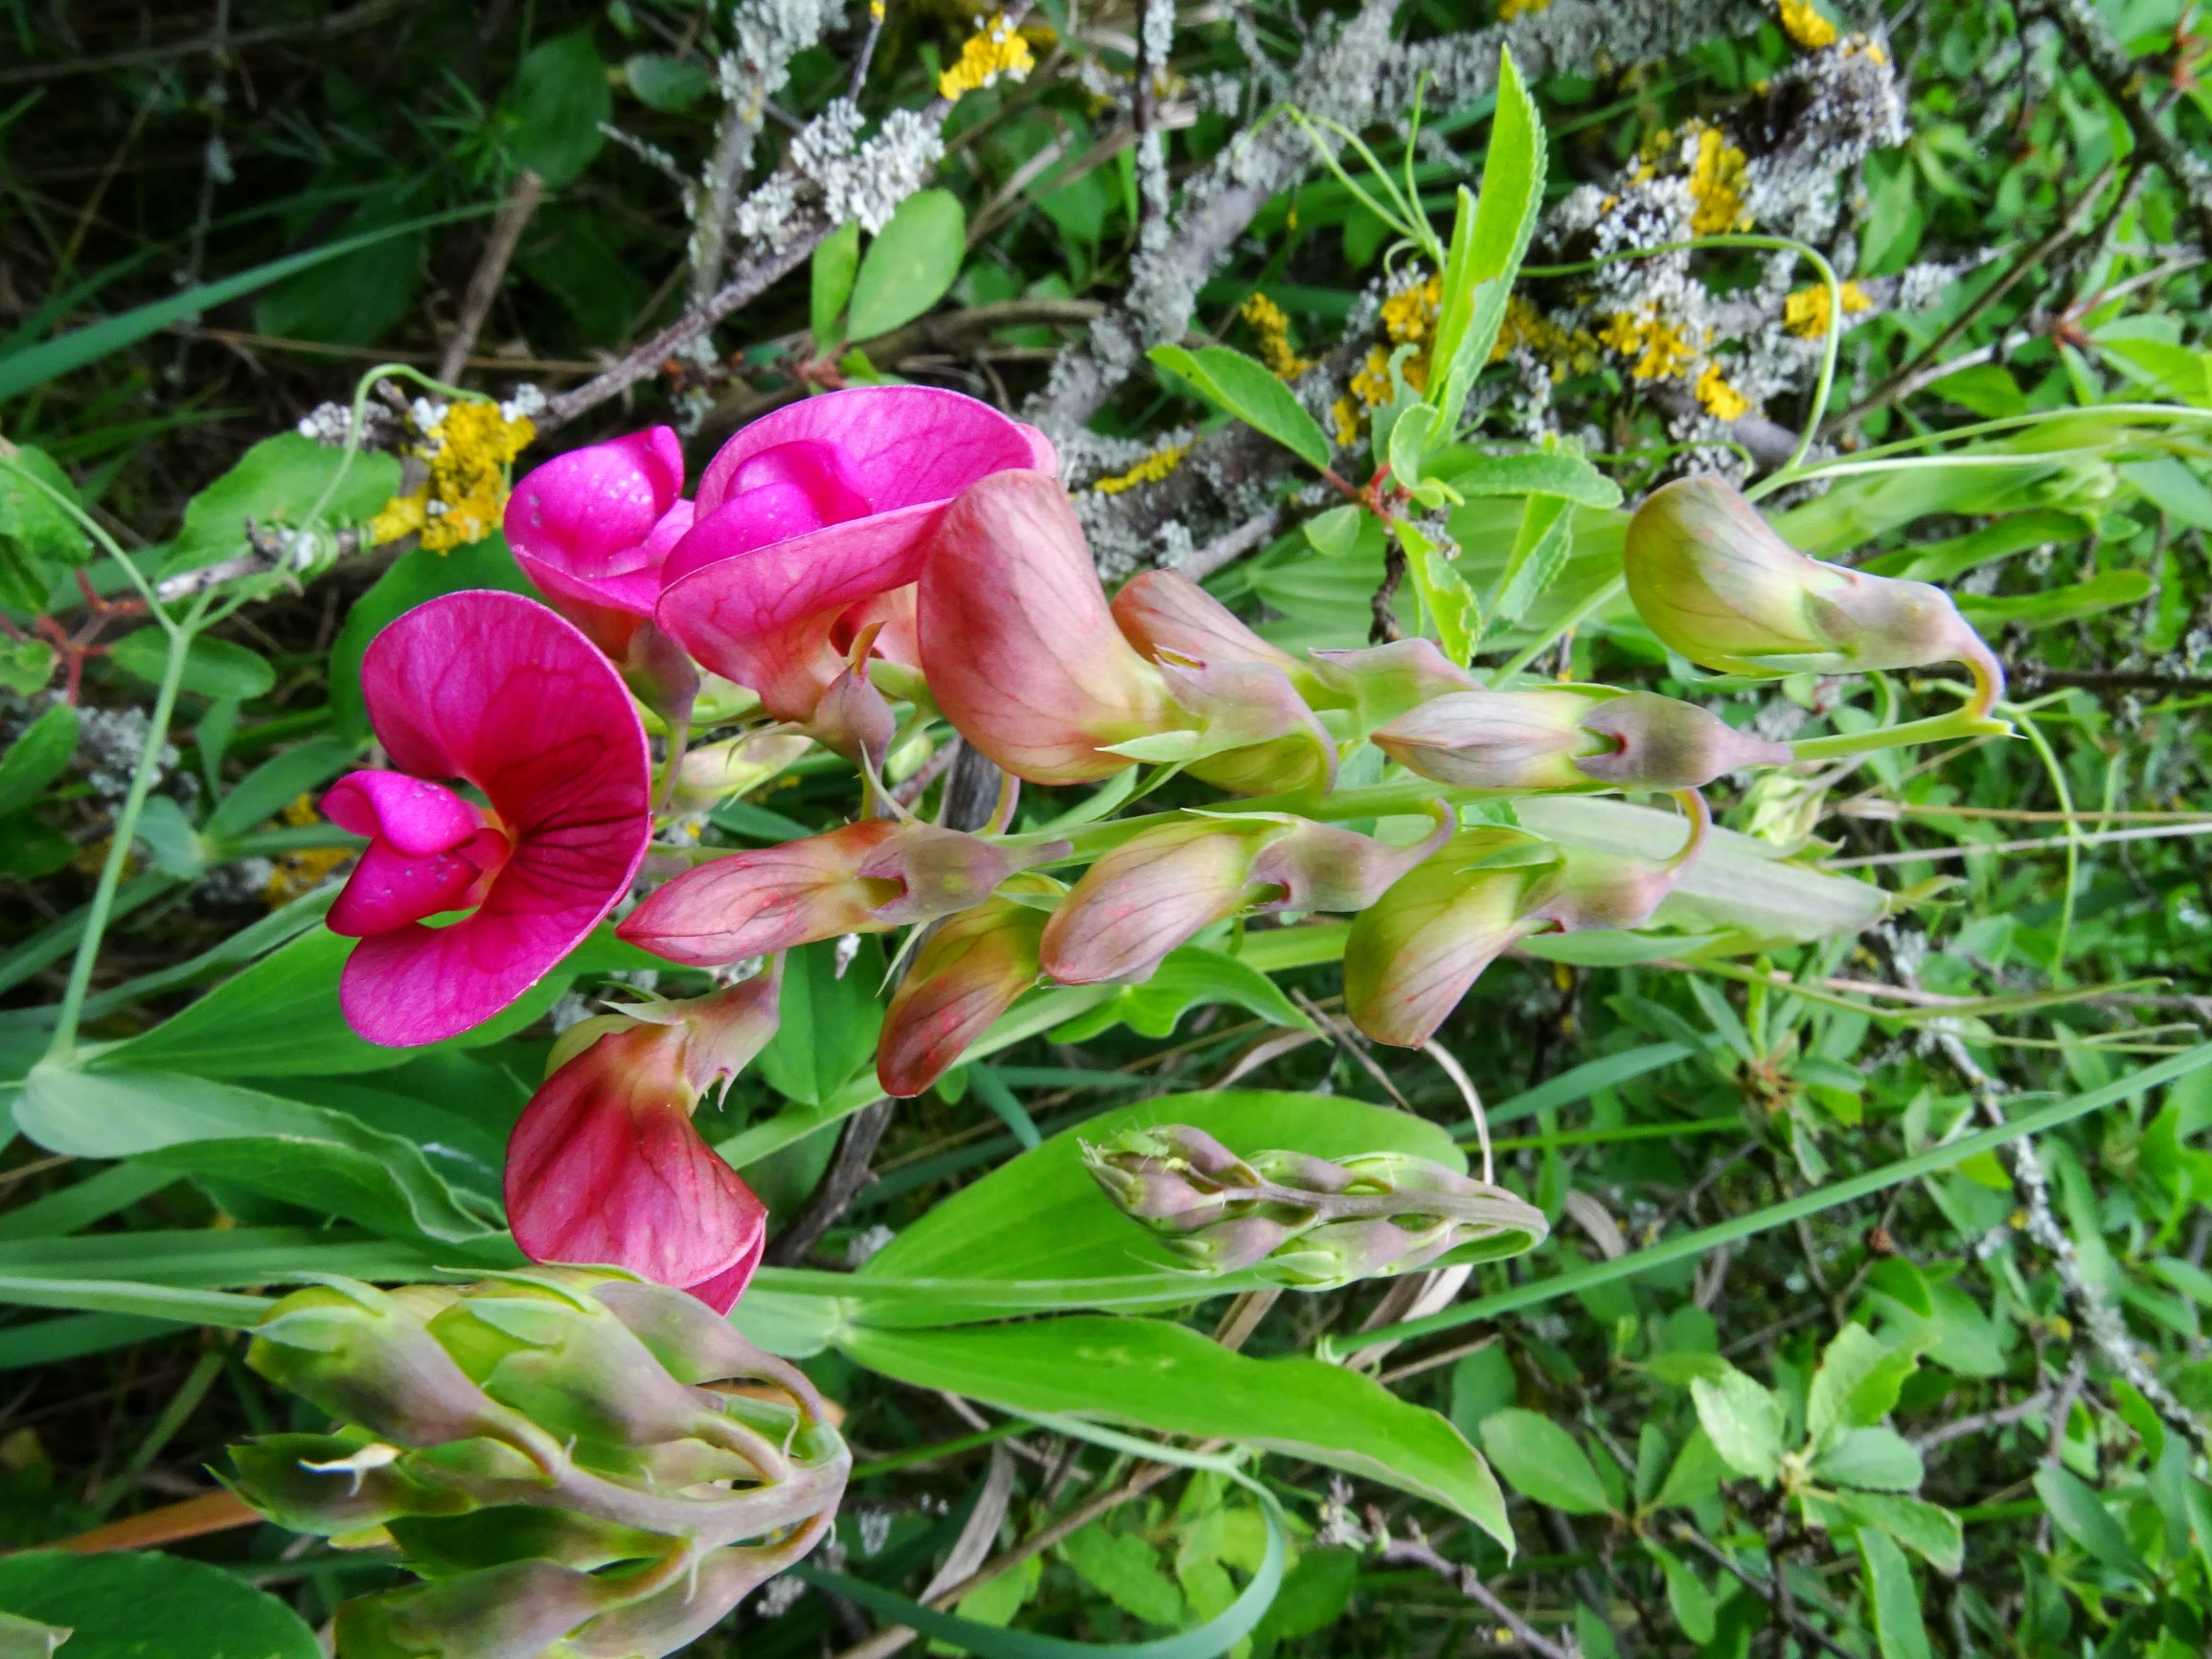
[[1744, 1423], [1243, 387], [1540, 1460]]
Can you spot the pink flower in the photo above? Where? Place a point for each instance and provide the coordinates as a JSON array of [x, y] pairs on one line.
[[969, 970], [593, 528], [811, 517], [1017, 645], [495, 690], [605, 1167]]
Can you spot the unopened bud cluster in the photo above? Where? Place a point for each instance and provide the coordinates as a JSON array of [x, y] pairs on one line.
[[1305, 1223], [574, 1461]]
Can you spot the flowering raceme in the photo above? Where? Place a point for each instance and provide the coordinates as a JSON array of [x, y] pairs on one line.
[[496, 690]]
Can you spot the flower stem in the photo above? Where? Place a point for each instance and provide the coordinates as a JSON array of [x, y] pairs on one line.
[[1965, 721]]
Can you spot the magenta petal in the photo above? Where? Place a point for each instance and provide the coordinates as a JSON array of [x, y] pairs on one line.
[[722, 1292], [496, 688], [900, 445], [388, 889], [606, 1166], [591, 526], [416, 816]]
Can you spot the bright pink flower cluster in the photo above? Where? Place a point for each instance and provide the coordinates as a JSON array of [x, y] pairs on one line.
[[918, 533]]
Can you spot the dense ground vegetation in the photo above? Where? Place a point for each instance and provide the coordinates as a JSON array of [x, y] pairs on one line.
[[1865, 1310]]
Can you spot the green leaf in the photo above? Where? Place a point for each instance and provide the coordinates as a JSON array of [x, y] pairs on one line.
[[561, 100], [1539, 473], [280, 1017], [1187, 977], [1686, 1594], [992, 1232], [1744, 1423], [139, 1604], [31, 847], [419, 576], [2055, 607], [2076, 1511], [277, 782], [1453, 613], [826, 1032], [1126, 1571], [1892, 1599], [1879, 1459], [910, 265], [24, 371], [1243, 387], [280, 481], [1928, 1529], [25, 665], [1480, 273], [40, 543], [1151, 1375], [1314, 1595], [355, 300], [664, 82], [1856, 1386], [836, 258], [1540, 553], [41, 753], [213, 667], [325, 1161], [1540, 1460]]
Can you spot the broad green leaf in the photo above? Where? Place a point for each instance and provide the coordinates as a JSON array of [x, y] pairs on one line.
[[1479, 276], [1187, 977], [26, 665], [1126, 1571], [142, 1604], [1539, 473], [1892, 1597], [1243, 387], [1314, 1595], [210, 1258], [355, 300], [560, 102], [1449, 602], [37, 758], [910, 265], [418, 576], [1856, 1386], [1877, 1458], [1540, 1460], [1928, 1529], [280, 1017], [1149, 1373], [1743, 1421], [2053, 606], [664, 82], [826, 1024], [213, 667], [40, 543], [323, 1161], [835, 260], [280, 482], [1691, 1601], [999, 1228], [2076, 1511]]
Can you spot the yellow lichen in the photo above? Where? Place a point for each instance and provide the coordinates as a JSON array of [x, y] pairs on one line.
[[293, 873], [1408, 319], [1804, 24], [1149, 470], [1562, 350], [1658, 349], [1272, 328], [467, 450], [994, 50], [1805, 313], [1409, 314], [1344, 421], [1509, 9], [1718, 397], [1718, 178]]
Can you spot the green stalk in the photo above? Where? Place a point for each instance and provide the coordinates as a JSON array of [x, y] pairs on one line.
[[141, 775], [1933, 1161], [1935, 729]]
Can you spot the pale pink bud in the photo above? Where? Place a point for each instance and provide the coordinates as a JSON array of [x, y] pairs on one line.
[[969, 970], [1496, 740]]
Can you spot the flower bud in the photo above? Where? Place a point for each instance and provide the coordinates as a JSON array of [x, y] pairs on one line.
[[1019, 647], [1304, 1221], [969, 970], [606, 1166], [716, 772], [517, 1610], [1378, 683], [1714, 581], [1418, 950], [866, 878], [1152, 894], [1569, 739], [1254, 734]]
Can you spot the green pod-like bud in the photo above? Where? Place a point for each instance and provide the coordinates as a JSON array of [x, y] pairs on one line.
[[338, 1484], [672, 1618], [517, 1611]]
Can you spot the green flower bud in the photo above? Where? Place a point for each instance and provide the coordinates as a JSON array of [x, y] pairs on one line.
[[1714, 581], [1302, 1222], [516, 1611]]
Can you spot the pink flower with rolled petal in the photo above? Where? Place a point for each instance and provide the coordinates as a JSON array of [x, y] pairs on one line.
[[593, 528], [811, 519], [495, 690], [1019, 645], [606, 1168]]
